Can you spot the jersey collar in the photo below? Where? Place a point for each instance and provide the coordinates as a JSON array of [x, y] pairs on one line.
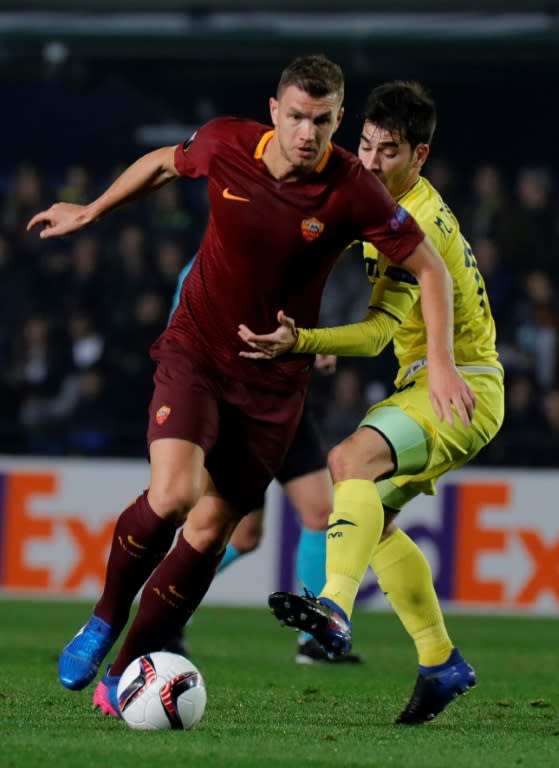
[[261, 146], [407, 192]]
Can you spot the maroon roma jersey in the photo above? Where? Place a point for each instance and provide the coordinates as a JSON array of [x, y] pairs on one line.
[[271, 244]]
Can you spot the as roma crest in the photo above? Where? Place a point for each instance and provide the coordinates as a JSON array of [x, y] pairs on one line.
[[311, 228], [162, 414]]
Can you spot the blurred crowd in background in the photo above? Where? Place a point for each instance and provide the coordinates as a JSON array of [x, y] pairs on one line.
[[78, 314]]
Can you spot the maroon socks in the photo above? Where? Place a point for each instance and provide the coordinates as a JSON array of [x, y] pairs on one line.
[[168, 600], [141, 540]]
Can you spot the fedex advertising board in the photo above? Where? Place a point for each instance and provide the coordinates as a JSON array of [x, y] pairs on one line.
[[491, 536]]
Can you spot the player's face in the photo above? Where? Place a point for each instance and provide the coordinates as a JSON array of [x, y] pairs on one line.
[[304, 127], [391, 159]]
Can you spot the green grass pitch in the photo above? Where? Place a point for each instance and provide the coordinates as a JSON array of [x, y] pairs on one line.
[[265, 711]]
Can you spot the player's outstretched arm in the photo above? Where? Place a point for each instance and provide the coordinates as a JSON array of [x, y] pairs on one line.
[[447, 388], [366, 338], [268, 345], [145, 175]]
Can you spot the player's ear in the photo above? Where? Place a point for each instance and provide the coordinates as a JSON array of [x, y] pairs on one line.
[[274, 110], [421, 155], [339, 117]]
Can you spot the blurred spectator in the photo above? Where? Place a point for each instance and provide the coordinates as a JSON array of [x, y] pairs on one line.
[[536, 322], [501, 285], [14, 297], [87, 286], [170, 258], [50, 279], [530, 238], [148, 319], [77, 186], [548, 449], [90, 422], [36, 372], [134, 386], [131, 272], [87, 343], [169, 218], [26, 196], [38, 358], [486, 209], [444, 178], [518, 444]]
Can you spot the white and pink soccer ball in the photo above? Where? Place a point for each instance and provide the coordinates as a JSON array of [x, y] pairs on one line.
[[161, 691]]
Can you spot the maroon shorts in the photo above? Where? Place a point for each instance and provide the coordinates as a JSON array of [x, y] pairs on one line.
[[244, 430]]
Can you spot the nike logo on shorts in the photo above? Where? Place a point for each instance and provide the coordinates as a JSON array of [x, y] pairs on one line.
[[230, 196]]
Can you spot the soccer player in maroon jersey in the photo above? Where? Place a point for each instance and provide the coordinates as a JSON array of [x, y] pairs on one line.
[[284, 202]]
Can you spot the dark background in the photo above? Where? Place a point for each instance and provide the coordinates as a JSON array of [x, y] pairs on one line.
[[78, 85]]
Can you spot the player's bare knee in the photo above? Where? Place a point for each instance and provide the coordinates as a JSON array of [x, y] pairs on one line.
[[246, 539], [315, 517], [248, 532], [208, 533], [345, 463], [173, 502], [364, 455], [247, 543]]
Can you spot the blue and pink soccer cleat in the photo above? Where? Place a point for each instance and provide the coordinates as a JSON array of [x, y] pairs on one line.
[[80, 659], [105, 694]]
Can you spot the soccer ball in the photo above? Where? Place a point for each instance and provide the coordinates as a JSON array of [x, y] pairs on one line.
[[161, 691]]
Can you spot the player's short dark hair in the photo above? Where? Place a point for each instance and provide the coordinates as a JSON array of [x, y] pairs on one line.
[[314, 74], [405, 108]]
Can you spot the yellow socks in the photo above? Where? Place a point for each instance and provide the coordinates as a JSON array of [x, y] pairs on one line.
[[354, 529], [405, 578]]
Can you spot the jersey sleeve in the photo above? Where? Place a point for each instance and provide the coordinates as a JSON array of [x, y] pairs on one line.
[[388, 226], [193, 156], [364, 339], [395, 290]]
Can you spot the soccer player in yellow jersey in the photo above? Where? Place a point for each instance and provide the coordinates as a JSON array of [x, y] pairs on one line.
[[401, 447]]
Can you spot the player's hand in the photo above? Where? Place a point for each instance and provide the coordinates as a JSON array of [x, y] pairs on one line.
[[325, 363], [268, 345], [61, 219], [448, 390]]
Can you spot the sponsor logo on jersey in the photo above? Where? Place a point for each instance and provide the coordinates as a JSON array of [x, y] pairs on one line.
[[311, 228], [162, 414], [399, 218], [230, 196]]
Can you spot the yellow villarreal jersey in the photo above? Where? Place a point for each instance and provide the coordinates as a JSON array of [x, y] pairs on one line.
[[396, 292]]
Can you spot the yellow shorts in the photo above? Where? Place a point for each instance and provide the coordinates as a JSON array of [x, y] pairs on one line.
[[425, 447]]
